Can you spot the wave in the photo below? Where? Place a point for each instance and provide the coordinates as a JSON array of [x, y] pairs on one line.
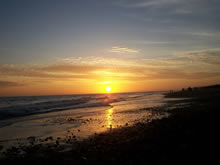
[[48, 104]]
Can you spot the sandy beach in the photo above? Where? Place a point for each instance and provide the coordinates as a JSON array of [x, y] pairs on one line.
[[188, 136], [28, 118]]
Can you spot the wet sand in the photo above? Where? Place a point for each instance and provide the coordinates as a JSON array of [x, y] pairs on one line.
[[188, 136], [78, 123]]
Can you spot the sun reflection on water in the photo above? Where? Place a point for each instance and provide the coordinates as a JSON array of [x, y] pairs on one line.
[[109, 118]]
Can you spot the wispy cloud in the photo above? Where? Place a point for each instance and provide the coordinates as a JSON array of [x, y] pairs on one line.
[[98, 61], [105, 82], [121, 50], [70, 68], [200, 60], [201, 64], [209, 56], [182, 74], [7, 84], [149, 42], [145, 3]]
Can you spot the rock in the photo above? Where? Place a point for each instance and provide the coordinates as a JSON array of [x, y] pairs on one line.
[[31, 138], [84, 158], [1, 147], [48, 138]]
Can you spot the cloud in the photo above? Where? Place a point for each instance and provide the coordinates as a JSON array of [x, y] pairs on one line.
[[26, 71], [200, 60], [145, 3], [105, 82], [71, 68], [181, 74], [51, 72], [149, 42], [209, 56], [6, 84], [121, 50], [117, 73], [166, 14], [201, 64], [100, 61]]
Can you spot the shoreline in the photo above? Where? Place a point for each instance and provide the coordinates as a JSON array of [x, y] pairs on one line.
[[90, 121], [188, 135]]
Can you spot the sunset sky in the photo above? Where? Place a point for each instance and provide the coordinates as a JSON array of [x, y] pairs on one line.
[[81, 46]]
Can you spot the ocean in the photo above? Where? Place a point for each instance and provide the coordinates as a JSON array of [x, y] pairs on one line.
[[80, 116]]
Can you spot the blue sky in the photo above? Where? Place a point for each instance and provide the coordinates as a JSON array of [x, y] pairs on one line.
[[110, 32], [33, 29]]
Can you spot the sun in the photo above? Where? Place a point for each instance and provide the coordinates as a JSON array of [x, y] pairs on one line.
[[108, 89]]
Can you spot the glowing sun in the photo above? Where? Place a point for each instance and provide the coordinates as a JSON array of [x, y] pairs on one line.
[[108, 89]]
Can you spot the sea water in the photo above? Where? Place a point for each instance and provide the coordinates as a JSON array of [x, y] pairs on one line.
[[78, 115]]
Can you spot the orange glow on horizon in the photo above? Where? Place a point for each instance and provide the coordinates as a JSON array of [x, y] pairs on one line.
[[101, 84]]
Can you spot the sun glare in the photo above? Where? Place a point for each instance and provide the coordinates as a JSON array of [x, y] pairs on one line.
[[108, 89]]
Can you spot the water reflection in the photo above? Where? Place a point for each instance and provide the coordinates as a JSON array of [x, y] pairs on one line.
[[109, 118]]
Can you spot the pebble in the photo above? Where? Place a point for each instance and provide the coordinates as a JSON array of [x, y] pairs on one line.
[[49, 138], [32, 138], [84, 158]]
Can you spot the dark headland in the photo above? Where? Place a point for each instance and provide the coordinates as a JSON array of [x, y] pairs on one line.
[[190, 135]]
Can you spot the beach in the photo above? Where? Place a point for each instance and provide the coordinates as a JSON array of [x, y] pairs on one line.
[[121, 82], [48, 118], [187, 134]]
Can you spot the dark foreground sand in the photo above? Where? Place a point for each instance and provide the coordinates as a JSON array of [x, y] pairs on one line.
[[188, 136]]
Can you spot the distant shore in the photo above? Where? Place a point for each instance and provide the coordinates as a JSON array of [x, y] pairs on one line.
[[188, 136]]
